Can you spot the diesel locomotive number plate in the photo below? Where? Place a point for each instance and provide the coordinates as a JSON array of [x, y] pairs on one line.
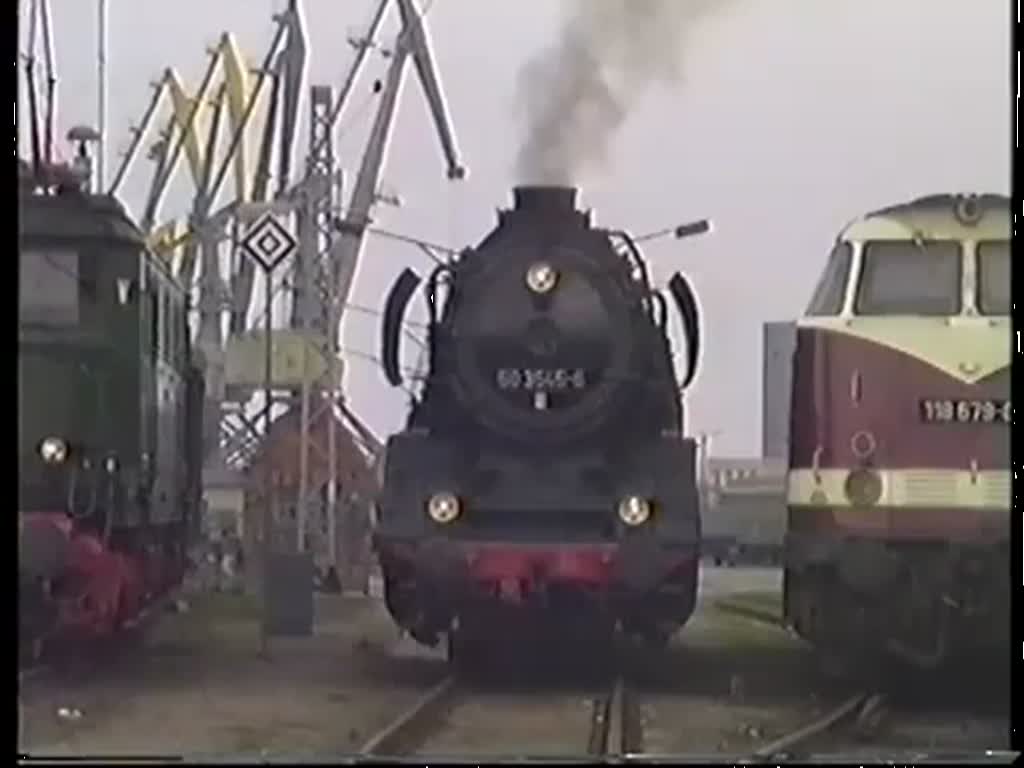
[[541, 379], [942, 411]]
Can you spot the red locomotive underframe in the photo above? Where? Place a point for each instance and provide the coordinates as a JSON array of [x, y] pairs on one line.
[[842, 385], [516, 572], [100, 590]]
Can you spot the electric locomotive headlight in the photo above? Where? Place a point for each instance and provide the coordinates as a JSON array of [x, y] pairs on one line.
[[863, 487], [967, 210], [634, 510], [443, 508], [541, 277], [53, 450], [110, 464]]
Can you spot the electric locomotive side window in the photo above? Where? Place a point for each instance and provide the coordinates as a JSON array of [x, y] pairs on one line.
[[994, 277], [166, 338], [180, 331], [903, 277], [153, 298], [828, 295], [49, 284]]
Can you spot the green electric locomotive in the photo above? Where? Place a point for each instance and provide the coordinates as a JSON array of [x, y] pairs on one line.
[[110, 398]]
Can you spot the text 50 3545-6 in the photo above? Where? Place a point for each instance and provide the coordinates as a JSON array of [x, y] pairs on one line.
[[540, 379]]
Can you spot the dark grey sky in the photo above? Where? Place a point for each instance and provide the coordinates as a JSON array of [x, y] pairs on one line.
[[794, 116]]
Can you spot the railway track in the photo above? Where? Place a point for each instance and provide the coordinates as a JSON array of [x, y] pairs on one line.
[[756, 615], [608, 729], [406, 732], [627, 726], [614, 727], [857, 709]]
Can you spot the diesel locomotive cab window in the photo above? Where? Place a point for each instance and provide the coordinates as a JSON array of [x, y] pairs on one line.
[[910, 278], [828, 295], [994, 277], [49, 287]]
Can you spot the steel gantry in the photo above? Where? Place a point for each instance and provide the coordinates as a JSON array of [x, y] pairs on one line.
[[323, 291], [41, 137], [306, 362], [283, 63]]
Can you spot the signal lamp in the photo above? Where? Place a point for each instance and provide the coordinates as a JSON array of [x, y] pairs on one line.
[[53, 450], [968, 211], [634, 510], [443, 508], [863, 487], [541, 278]]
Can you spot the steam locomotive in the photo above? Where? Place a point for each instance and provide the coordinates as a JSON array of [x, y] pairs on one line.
[[109, 411], [543, 469]]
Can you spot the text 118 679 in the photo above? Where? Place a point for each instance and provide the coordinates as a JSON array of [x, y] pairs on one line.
[[944, 411]]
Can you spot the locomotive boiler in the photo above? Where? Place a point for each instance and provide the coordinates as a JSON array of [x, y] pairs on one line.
[[109, 417], [544, 467]]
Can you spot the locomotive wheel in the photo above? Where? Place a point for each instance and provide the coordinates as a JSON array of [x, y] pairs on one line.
[[832, 666], [647, 635], [466, 654], [656, 639], [599, 657]]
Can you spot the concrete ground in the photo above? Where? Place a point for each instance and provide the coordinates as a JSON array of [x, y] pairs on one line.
[[718, 581], [201, 686]]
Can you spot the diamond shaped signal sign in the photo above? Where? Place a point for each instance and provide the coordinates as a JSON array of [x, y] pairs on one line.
[[268, 242]]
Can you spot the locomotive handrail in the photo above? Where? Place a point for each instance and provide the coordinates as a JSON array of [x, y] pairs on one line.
[[661, 317], [435, 279], [632, 254], [628, 250]]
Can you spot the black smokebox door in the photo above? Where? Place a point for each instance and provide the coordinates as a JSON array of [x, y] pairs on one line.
[[531, 381]]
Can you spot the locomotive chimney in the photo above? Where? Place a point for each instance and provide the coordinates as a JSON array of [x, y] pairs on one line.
[[545, 199]]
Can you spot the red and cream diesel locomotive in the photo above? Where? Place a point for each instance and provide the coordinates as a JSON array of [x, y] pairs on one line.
[[899, 475]]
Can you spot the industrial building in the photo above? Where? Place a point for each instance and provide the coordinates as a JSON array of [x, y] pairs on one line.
[[778, 340]]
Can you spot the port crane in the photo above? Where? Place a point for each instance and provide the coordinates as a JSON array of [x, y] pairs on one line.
[[332, 236]]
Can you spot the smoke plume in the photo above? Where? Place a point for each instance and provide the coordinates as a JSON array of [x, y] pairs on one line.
[[577, 94]]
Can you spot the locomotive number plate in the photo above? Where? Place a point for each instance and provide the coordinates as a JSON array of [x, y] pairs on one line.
[[939, 411], [541, 379]]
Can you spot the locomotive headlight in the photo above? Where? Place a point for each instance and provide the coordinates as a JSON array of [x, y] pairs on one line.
[[634, 510], [110, 464], [53, 450], [541, 277], [443, 508], [863, 487]]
